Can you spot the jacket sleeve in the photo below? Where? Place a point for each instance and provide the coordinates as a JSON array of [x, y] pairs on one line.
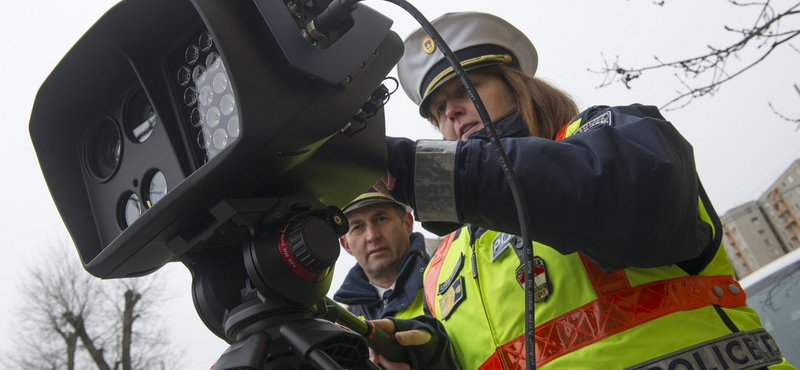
[[622, 190]]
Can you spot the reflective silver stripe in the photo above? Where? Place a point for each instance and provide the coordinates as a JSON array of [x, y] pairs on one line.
[[434, 190], [737, 351]]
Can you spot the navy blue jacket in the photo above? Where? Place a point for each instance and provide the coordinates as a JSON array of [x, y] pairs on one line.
[[363, 300], [624, 191]]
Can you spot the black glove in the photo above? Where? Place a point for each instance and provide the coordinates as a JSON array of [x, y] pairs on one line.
[[401, 166], [438, 353]]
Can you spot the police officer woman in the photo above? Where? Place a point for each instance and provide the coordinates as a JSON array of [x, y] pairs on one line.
[[629, 268]]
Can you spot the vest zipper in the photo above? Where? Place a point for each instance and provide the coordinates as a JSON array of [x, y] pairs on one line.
[[474, 258]]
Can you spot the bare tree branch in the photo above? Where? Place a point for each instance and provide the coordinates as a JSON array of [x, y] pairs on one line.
[[796, 121], [71, 320], [759, 40]]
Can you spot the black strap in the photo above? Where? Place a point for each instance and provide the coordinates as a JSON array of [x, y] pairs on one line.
[[697, 264]]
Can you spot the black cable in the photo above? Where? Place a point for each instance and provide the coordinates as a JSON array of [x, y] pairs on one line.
[[511, 177], [339, 10]]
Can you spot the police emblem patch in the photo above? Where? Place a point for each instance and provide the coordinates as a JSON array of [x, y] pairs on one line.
[[452, 298], [500, 243], [541, 285], [446, 284], [602, 120]]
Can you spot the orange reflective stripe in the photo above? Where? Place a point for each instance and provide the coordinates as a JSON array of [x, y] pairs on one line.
[[509, 356], [434, 267], [568, 129], [638, 305], [493, 363], [604, 283], [562, 133]]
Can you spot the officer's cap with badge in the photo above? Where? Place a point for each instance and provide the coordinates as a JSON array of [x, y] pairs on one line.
[[372, 196], [477, 39]]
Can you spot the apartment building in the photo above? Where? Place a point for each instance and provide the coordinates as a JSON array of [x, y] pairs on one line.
[[781, 205], [749, 239], [758, 232]]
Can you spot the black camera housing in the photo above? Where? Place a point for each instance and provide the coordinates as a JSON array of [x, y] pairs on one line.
[[294, 102]]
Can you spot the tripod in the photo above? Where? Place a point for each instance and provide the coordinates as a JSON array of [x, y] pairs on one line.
[[260, 275]]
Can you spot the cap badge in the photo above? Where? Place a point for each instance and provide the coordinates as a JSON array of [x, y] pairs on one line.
[[428, 45]]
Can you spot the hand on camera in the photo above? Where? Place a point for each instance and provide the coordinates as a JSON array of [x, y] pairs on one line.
[[398, 182], [405, 338]]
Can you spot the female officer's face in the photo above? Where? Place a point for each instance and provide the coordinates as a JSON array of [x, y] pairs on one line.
[[455, 112]]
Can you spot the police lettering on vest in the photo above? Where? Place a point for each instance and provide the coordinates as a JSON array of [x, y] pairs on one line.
[[737, 351]]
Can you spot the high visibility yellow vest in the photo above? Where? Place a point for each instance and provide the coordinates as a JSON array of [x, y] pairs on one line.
[[487, 324], [591, 320], [410, 312], [638, 318], [414, 310]]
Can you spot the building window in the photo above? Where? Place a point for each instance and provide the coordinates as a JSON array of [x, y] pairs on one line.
[[790, 179], [768, 242], [755, 221], [761, 231]]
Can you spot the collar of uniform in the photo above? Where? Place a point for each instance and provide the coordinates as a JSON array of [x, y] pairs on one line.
[[511, 125]]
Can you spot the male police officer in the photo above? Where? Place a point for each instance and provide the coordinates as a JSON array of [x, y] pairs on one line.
[[387, 281]]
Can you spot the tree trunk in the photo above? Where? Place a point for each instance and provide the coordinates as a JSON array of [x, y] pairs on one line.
[[72, 345], [80, 330], [128, 317], [71, 342]]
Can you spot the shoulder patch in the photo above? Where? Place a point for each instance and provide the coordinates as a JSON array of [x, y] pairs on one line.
[[500, 243], [601, 120]]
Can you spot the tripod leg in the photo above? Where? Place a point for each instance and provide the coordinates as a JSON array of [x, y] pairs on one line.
[[249, 353]]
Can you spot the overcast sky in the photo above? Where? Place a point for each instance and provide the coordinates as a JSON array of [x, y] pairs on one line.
[[740, 145]]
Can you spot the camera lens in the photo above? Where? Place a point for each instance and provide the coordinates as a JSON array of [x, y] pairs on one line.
[[140, 118], [212, 117], [220, 139], [190, 96], [196, 117], [233, 126], [184, 76], [192, 54], [131, 210], [157, 188], [205, 42], [103, 149], [220, 82]]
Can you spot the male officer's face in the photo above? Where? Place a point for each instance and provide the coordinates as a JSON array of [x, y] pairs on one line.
[[378, 239]]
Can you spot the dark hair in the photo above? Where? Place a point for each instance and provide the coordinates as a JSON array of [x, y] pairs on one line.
[[544, 108]]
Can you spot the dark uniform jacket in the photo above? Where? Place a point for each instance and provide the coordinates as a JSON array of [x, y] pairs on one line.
[[363, 300], [623, 191]]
